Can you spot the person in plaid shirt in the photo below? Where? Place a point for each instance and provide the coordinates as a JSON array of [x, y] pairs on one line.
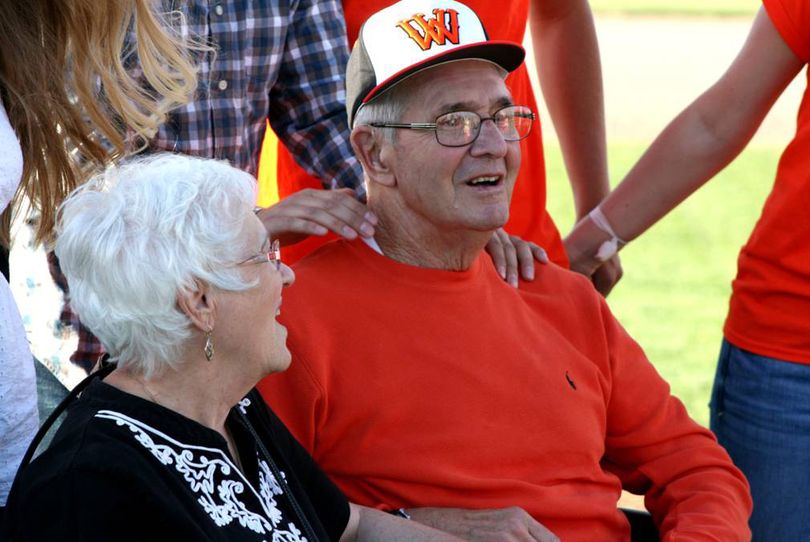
[[282, 62]]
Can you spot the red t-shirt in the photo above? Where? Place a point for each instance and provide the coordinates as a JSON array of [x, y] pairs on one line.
[[528, 215], [770, 305]]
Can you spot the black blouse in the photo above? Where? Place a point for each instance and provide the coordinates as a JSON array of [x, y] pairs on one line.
[[123, 468]]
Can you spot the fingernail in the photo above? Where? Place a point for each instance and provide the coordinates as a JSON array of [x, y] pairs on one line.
[[513, 280], [320, 230], [367, 229], [371, 217], [348, 233], [502, 271], [528, 272]]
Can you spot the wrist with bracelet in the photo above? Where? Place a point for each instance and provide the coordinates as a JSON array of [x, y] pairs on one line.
[[609, 248]]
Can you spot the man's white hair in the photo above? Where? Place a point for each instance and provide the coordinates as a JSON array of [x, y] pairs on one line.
[[387, 107], [136, 235]]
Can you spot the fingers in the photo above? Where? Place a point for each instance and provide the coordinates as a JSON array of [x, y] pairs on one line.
[[525, 257], [316, 212], [509, 257], [336, 210], [511, 254], [527, 253], [495, 249], [349, 215], [581, 255], [607, 276], [539, 253]]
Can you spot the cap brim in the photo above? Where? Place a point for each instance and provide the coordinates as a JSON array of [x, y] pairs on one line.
[[506, 54]]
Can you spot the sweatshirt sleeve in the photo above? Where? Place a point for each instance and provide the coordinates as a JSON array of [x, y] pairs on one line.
[[692, 488]]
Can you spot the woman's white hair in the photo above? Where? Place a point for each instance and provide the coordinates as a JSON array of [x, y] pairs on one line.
[[136, 235]]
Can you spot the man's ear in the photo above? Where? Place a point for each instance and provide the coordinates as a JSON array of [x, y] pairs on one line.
[[199, 305], [374, 155]]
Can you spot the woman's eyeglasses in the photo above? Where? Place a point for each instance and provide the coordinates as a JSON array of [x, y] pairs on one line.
[[272, 256]]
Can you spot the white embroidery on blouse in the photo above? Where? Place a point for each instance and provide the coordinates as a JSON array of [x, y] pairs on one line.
[[216, 480]]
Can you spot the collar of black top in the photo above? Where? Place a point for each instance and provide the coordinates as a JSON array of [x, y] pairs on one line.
[[413, 35]]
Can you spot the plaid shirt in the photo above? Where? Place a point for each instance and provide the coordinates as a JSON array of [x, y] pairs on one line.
[[281, 61]]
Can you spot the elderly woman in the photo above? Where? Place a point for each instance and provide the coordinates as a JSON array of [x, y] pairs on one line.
[[169, 266], [53, 124]]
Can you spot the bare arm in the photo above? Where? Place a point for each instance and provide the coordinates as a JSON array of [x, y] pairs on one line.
[[696, 145], [570, 74]]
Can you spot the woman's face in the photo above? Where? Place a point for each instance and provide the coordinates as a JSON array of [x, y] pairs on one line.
[[246, 325]]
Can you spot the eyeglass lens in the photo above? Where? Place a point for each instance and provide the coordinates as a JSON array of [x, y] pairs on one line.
[[462, 127]]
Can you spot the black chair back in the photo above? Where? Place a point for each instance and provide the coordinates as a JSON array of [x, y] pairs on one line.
[[642, 526]]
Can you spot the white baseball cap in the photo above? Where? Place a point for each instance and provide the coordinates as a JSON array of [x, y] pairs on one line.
[[413, 35]]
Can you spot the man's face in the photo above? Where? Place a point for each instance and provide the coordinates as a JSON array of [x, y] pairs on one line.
[[456, 188]]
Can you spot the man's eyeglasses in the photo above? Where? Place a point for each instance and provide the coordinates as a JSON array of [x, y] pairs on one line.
[[460, 128], [273, 256]]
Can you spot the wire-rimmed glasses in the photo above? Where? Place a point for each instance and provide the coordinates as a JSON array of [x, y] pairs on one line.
[[461, 128], [272, 256]]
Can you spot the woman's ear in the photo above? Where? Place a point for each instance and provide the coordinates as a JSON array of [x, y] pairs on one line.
[[374, 154], [199, 305]]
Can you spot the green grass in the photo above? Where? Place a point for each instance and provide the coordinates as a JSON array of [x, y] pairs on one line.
[[674, 294], [719, 8]]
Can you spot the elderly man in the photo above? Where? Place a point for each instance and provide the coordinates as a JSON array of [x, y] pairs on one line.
[[420, 379]]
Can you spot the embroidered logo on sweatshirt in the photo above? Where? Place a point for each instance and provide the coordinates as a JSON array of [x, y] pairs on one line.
[[570, 381]]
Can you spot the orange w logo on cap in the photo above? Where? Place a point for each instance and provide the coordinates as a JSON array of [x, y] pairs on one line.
[[425, 32]]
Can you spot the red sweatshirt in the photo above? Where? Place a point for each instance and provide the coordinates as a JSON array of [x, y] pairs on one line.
[[419, 387]]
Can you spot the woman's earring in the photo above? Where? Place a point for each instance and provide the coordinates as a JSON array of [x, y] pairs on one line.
[[209, 345]]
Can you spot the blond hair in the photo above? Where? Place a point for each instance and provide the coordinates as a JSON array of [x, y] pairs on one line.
[[69, 97]]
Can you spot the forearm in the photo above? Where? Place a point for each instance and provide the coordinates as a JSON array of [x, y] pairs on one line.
[[307, 102], [569, 70], [692, 149], [702, 140]]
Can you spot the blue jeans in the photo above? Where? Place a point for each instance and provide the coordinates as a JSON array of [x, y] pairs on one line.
[[760, 412]]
